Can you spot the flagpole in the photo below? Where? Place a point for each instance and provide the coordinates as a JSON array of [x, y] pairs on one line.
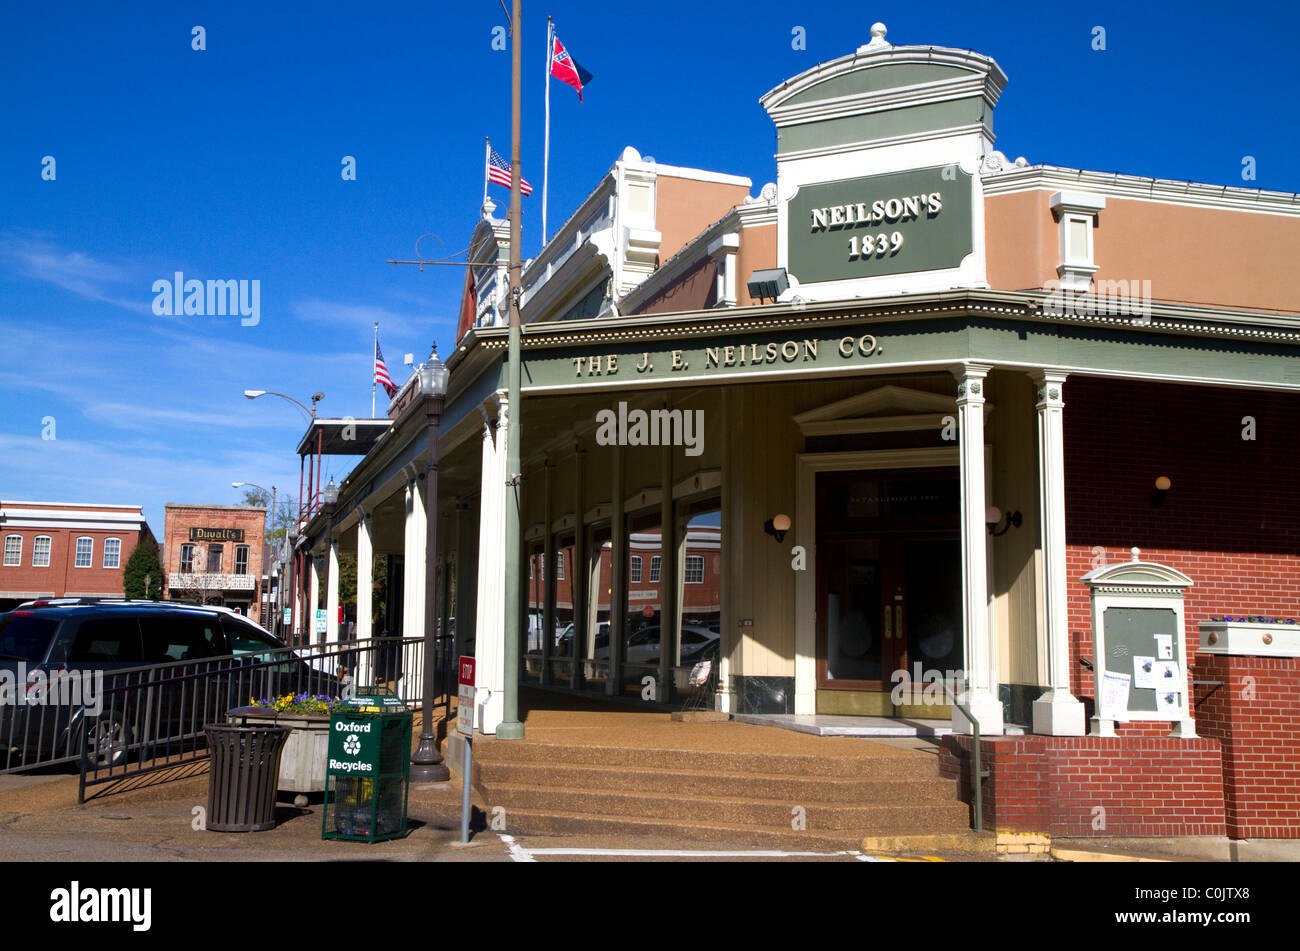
[[374, 361], [487, 162], [546, 151]]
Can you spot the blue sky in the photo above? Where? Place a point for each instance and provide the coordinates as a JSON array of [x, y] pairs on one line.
[[225, 164]]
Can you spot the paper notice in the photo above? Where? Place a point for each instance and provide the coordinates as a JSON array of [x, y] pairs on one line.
[[1169, 702], [1169, 676], [1165, 646], [1114, 695], [1144, 673]]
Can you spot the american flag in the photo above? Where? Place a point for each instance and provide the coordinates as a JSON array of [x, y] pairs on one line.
[[499, 171], [381, 372]]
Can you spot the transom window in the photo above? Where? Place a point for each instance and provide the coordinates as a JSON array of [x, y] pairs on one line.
[[112, 552], [187, 559], [85, 552], [695, 569], [13, 549], [241, 559], [41, 551]]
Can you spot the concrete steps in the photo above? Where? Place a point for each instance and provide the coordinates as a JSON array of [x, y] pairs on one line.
[[744, 798]]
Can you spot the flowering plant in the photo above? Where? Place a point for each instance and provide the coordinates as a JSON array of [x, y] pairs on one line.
[[1252, 619], [298, 703]]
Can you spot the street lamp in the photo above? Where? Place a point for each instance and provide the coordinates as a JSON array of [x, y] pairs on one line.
[[315, 398], [331, 493], [426, 763]]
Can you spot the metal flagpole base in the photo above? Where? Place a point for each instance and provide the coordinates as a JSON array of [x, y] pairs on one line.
[[426, 764]]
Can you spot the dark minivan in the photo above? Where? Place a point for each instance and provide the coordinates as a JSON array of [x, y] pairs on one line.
[[132, 675]]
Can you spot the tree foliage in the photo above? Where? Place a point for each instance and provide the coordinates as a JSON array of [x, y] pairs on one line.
[[143, 566]]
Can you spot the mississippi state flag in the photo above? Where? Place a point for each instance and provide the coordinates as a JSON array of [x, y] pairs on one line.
[[499, 171], [566, 69]]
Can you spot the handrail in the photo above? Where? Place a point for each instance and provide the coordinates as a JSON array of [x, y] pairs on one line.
[[977, 775]]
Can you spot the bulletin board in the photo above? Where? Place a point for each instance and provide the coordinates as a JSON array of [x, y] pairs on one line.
[[1131, 633]]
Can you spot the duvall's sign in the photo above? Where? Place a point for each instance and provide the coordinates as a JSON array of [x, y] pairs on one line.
[[216, 534]]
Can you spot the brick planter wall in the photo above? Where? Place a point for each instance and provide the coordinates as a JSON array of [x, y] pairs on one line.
[[1148, 786], [1255, 715]]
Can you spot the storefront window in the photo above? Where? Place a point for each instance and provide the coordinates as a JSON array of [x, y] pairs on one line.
[[565, 628], [595, 651], [536, 614], [642, 625], [700, 608]]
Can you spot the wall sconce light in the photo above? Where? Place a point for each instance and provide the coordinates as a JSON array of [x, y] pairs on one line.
[[1160, 491], [994, 518], [777, 526]]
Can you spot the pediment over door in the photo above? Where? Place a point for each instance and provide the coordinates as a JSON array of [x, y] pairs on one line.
[[885, 409]]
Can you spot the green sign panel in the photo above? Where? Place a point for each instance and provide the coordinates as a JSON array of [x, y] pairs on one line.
[[354, 746], [883, 224]]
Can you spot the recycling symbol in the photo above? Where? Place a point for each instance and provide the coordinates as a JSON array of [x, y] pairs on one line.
[[352, 746]]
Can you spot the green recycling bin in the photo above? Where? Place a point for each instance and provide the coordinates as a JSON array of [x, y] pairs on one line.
[[368, 769]]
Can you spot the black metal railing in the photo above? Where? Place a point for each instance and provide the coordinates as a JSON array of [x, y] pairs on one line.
[[122, 722]]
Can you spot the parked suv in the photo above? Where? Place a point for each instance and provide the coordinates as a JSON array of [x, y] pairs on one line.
[[132, 673]]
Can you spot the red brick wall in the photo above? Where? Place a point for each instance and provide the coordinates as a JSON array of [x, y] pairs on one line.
[[1231, 520], [1255, 714], [61, 576], [179, 519], [1147, 786]]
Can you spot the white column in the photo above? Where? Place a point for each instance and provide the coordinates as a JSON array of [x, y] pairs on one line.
[[413, 580], [313, 596], [365, 597], [723, 250], [408, 529], [332, 592], [489, 646], [980, 695], [1057, 712]]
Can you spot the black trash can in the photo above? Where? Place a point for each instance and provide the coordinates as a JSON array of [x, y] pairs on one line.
[[243, 772]]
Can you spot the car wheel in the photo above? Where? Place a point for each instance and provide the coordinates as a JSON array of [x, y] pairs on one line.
[[108, 741]]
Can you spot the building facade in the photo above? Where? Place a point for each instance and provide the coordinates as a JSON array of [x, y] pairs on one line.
[[979, 394], [212, 554], [64, 549]]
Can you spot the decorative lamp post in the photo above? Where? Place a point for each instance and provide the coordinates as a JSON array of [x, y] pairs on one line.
[[426, 763]]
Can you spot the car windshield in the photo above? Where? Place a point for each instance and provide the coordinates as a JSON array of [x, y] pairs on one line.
[[26, 636]]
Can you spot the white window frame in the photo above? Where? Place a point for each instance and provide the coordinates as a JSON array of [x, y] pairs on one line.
[[559, 566], [220, 551], [90, 554], [656, 565], [17, 554], [686, 567], [180, 566], [36, 550], [247, 553], [117, 555], [1078, 265], [634, 576]]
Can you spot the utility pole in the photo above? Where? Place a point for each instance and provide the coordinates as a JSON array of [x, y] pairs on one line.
[[510, 727]]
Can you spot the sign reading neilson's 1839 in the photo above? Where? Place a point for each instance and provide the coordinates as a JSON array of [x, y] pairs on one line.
[[883, 224]]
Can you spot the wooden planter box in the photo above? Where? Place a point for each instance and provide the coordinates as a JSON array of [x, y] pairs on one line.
[[302, 763]]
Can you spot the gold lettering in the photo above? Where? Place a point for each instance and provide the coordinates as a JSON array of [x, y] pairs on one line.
[[611, 363], [710, 357], [577, 362], [645, 363], [678, 362], [810, 349], [846, 347], [789, 350], [729, 356], [593, 366], [865, 348], [771, 353]]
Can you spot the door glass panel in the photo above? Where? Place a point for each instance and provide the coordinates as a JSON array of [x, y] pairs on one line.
[[535, 616], [594, 653], [853, 608], [934, 625]]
